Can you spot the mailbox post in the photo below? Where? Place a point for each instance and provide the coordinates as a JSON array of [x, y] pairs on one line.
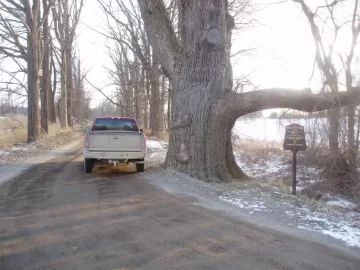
[[294, 141]]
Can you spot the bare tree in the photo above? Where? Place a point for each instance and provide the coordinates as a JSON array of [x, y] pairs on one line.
[[46, 76], [29, 14], [127, 29], [13, 55], [81, 97], [13, 32], [325, 17], [66, 18]]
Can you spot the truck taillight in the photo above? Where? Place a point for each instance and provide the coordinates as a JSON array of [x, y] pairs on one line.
[[86, 141], [144, 141]]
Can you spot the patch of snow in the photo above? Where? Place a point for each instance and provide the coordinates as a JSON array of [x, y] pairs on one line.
[[154, 155], [290, 213], [74, 248], [256, 203], [298, 188], [350, 235], [4, 153], [16, 148], [239, 202], [263, 168], [342, 203], [341, 230], [155, 145]]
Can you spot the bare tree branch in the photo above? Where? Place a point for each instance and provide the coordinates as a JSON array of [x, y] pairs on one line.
[[100, 90], [161, 33]]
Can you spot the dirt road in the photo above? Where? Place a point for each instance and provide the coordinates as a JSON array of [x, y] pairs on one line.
[[56, 217]]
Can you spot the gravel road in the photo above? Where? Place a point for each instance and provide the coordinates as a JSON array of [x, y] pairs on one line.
[[53, 216]]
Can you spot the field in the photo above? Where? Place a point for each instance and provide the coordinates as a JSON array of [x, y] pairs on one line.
[[13, 131]]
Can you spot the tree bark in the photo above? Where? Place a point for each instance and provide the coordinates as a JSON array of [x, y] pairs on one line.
[[147, 95], [69, 63], [200, 137], [169, 109], [52, 90], [46, 72], [156, 118], [334, 131], [351, 139], [69, 82], [162, 104], [33, 65], [63, 97]]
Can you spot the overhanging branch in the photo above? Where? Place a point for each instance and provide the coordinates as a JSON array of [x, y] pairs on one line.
[[161, 33], [238, 104]]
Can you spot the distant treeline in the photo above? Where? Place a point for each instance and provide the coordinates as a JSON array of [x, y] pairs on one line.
[[297, 115], [14, 110]]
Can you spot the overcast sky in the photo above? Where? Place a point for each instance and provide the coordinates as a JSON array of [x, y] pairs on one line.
[[284, 58]]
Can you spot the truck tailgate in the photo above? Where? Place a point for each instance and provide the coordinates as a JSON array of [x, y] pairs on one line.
[[115, 141]]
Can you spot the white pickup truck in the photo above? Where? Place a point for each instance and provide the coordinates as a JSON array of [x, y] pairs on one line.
[[114, 140]]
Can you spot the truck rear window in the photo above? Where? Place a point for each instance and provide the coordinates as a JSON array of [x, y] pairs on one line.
[[115, 124]]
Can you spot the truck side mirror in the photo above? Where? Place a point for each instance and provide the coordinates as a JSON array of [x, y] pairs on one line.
[[141, 130]]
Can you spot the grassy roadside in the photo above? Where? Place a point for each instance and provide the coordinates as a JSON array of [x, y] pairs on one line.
[[13, 139]]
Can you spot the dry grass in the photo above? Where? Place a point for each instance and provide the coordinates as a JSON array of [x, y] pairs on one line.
[[256, 149], [147, 132], [13, 131]]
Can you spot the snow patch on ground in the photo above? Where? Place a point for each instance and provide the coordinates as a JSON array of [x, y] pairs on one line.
[[342, 203], [16, 148], [262, 167], [256, 202], [341, 230], [156, 151], [155, 145], [5, 153], [257, 207]]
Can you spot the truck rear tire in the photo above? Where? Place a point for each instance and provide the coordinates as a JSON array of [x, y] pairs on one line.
[[88, 165], [140, 167]]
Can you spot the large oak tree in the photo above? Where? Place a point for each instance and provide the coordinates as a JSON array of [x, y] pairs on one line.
[[204, 106]]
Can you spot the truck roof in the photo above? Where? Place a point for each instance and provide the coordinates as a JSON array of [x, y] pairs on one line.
[[115, 117]]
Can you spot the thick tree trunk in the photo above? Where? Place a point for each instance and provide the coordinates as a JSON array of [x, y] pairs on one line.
[[63, 97], [143, 97], [156, 118], [46, 74], [135, 78], [69, 83], [337, 163], [52, 91], [352, 153], [169, 109], [33, 49], [162, 104], [352, 149], [52, 107], [200, 136], [334, 131], [147, 95]]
